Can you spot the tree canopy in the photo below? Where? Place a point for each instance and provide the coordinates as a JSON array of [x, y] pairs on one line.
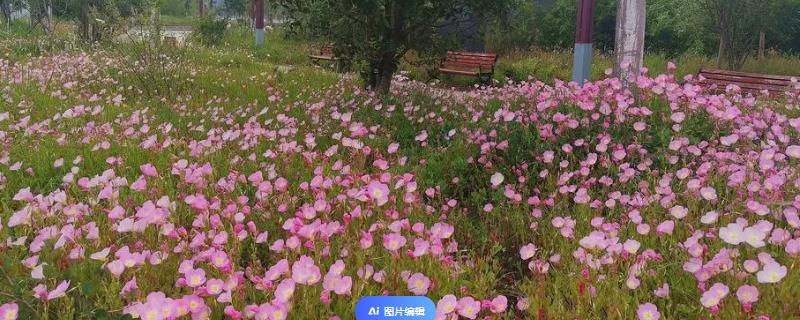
[[373, 35]]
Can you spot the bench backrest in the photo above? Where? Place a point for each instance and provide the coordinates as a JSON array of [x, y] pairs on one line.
[[749, 82], [469, 59]]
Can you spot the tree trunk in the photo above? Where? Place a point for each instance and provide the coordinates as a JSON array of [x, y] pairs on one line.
[[83, 23], [383, 67], [5, 8], [629, 46], [385, 80], [721, 50], [762, 44]]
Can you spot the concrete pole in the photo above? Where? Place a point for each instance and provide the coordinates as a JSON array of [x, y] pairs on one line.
[[582, 64], [629, 46], [259, 10]]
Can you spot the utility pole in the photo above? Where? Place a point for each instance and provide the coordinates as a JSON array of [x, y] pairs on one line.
[[629, 46], [259, 11], [582, 64]]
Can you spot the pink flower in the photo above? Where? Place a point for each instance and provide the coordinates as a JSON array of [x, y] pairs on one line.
[[496, 179], [9, 311], [732, 234], [148, 170], [468, 307], [648, 311], [499, 304], [393, 148], [195, 277], [378, 192], [523, 304], [714, 295], [772, 273], [747, 294], [195, 304], [666, 227], [333, 281], [632, 282], [679, 212], [129, 287], [58, 292], [754, 237], [663, 291], [750, 266], [215, 286], [284, 291], [394, 241], [729, 140], [447, 304], [793, 151], [793, 247], [527, 251], [304, 271], [418, 284], [708, 193]]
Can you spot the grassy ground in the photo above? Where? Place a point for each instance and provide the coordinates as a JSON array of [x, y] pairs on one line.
[[233, 111]]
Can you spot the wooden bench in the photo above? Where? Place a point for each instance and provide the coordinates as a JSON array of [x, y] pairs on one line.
[[325, 53], [718, 80], [479, 65]]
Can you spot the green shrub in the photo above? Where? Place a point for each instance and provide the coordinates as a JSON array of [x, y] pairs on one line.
[[210, 30]]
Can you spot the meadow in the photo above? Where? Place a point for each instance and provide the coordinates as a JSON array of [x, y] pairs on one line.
[[154, 182]]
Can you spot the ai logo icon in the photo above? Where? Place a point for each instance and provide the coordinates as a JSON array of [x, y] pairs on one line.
[[375, 311]]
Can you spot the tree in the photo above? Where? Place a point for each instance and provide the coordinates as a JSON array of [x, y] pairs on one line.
[[5, 9], [374, 35], [236, 8], [99, 20], [738, 23]]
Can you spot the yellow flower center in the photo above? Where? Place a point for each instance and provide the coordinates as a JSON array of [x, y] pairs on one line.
[[151, 315], [11, 314]]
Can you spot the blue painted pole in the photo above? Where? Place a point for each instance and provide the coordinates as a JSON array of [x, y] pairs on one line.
[[582, 63]]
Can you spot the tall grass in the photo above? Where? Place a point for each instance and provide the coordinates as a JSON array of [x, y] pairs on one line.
[[557, 64]]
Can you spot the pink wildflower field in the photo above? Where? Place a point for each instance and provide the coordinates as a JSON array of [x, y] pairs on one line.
[[225, 190]]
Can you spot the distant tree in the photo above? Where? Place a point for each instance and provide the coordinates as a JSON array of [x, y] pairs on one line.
[[376, 34], [237, 8], [6, 6], [99, 20], [738, 23], [673, 28]]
